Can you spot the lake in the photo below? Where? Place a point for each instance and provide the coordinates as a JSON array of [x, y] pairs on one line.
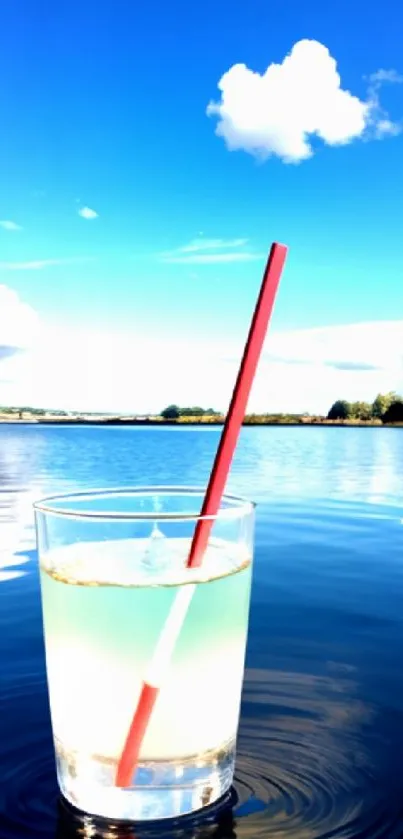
[[321, 736]]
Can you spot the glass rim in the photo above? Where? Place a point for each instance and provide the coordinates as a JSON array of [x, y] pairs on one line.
[[241, 506]]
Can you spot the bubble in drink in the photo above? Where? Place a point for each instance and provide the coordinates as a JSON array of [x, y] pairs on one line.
[[105, 605]]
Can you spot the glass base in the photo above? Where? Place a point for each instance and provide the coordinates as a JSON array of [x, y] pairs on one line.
[[163, 790]]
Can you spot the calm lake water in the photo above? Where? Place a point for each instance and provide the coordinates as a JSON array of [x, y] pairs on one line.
[[321, 737]]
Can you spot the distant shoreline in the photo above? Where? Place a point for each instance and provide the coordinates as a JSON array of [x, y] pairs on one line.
[[190, 422]]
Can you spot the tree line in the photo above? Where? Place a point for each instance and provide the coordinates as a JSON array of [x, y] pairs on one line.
[[173, 412], [387, 407]]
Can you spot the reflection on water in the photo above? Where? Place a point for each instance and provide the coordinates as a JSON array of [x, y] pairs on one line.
[[16, 525], [327, 462], [303, 770], [301, 753], [215, 823], [322, 715]]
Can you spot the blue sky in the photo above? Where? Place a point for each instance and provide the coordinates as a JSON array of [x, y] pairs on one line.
[[106, 107]]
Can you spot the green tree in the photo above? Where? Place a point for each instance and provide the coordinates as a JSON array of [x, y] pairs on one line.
[[361, 410], [394, 412], [381, 404], [192, 412], [197, 411], [171, 412], [340, 410]]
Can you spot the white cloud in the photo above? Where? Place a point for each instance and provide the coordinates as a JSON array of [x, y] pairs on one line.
[[39, 264], [301, 370], [381, 123], [385, 127], [87, 213], [10, 225], [381, 76], [278, 112], [210, 251], [308, 369], [372, 346]]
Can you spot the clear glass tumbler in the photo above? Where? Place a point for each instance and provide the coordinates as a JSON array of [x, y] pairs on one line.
[[113, 574]]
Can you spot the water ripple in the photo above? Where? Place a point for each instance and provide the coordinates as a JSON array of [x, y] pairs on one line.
[[303, 771], [301, 754]]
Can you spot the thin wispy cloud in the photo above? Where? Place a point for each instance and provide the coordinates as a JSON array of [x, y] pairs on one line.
[[381, 76], [381, 121], [10, 225], [278, 112], [39, 264], [212, 258], [357, 348], [197, 245], [88, 213], [5, 352], [209, 251], [356, 366]]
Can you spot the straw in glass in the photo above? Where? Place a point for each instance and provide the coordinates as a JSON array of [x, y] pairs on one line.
[[160, 660]]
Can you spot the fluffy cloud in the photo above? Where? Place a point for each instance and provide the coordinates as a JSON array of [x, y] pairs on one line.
[[18, 323], [87, 213], [10, 225], [278, 112]]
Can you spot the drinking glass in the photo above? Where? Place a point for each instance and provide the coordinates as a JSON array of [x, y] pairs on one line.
[[113, 570]]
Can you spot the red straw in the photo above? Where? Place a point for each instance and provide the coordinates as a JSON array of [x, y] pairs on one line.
[[216, 485]]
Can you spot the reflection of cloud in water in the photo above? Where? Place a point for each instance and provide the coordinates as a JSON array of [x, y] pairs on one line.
[[318, 462], [29, 469], [385, 477], [17, 533]]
